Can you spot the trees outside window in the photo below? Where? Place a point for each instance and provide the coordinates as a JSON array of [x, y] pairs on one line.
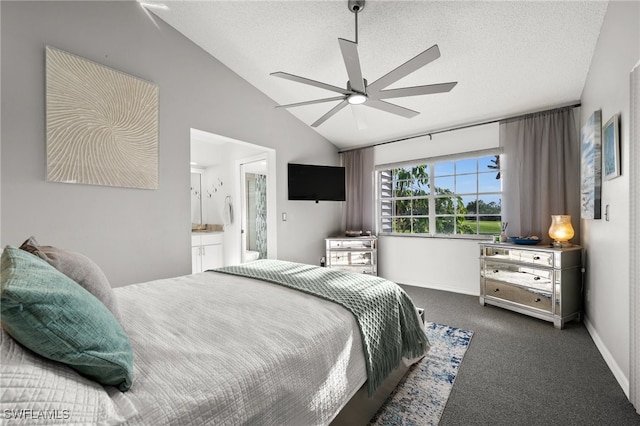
[[465, 197]]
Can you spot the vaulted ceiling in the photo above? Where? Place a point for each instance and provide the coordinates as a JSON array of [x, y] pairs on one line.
[[508, 58]]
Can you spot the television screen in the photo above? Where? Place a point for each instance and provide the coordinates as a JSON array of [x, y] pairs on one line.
[[316, 183]]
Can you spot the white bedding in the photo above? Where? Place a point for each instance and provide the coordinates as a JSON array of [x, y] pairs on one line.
[[35, 390], [209, 348], [237, 351]]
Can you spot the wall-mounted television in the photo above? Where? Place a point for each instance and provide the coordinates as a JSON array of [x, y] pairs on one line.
[[316, 183]]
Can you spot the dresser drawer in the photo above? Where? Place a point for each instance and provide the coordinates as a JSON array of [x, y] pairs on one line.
[[524, 296], [533, 257], [523, 275], [350, 258], [351, 244], [357, 269]]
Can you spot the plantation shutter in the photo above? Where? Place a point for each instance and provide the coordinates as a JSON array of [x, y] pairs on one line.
[[386, 202]]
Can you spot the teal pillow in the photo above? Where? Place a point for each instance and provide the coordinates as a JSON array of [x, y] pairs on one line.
[[53, 316]]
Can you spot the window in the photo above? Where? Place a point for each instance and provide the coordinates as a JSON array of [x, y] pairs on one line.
[[450, 197]]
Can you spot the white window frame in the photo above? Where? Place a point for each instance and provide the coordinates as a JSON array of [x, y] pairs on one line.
[[432, 196]]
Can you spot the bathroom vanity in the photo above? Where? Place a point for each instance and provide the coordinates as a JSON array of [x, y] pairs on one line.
[[206, 250]]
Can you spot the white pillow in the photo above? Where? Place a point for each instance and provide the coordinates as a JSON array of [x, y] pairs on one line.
[[37, 390]]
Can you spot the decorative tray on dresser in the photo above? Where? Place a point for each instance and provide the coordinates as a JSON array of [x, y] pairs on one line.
[[543, 282]]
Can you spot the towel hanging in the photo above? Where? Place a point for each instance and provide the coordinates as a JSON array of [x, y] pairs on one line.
[[228, 211]]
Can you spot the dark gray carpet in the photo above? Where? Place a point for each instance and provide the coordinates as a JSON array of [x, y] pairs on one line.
[[522, 371]]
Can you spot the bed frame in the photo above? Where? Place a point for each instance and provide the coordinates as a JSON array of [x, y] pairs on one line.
[[360, 408]]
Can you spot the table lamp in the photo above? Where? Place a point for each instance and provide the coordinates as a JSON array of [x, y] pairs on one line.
[[561, 230]]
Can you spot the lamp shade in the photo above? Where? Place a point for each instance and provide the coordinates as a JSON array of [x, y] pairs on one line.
[[561, 230]]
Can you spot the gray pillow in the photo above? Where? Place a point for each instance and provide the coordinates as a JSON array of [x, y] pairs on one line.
[[79, 268]]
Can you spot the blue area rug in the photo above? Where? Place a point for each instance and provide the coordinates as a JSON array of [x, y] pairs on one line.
[[420, 397]]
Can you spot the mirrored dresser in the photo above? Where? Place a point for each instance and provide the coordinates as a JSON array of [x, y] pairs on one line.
[[354, 254], [540, 281]]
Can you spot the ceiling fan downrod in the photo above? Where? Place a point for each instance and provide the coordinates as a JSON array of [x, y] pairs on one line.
[[356, 98], [356, 6]]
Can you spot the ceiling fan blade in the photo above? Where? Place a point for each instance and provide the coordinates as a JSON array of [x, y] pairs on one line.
[[392, 108], [317, 101], [310, 82], [352, 63], [413, 64], [331, 112], [358, 115], [415, 91]]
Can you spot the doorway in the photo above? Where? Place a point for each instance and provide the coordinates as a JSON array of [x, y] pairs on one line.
[[253, 209], [218, 159]]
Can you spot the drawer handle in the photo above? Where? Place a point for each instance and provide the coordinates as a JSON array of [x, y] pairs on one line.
[[536, 257], [536, 278], [496, 290], [495, 271], [537, 299]]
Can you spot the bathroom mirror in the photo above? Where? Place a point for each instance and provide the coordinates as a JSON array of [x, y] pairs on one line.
[[196, 198]]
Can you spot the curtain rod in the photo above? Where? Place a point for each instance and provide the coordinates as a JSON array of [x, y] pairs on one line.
[[464, 126]]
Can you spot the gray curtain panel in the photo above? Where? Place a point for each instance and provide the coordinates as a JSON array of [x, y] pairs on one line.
[[358, 213], [541, 169]]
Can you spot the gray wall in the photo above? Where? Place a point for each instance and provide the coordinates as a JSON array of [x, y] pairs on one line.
[[138, 235], [606, 243]]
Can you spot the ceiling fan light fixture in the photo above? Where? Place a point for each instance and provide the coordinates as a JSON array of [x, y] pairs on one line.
[[357, 99], [358, 92]]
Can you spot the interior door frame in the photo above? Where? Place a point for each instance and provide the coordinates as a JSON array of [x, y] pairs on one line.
[[270, 157], [634, 239]]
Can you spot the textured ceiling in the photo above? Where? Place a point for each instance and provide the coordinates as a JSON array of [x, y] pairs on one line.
[[508, 58]]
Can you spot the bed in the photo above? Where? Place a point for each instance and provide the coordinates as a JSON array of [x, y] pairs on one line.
[[219, 348]]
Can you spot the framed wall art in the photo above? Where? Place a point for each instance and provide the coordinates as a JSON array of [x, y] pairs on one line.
[[591, 167], [102, 124], [611, 147]]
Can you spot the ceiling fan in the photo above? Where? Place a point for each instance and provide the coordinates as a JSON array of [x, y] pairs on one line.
[[358, 91]]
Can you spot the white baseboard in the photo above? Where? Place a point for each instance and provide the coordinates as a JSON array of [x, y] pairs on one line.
[[445, 288], [608, 358]]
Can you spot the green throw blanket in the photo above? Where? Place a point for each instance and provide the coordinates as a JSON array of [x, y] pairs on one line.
[[386, 316]]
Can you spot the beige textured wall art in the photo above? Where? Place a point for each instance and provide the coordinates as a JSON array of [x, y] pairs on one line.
[[102, 124]]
